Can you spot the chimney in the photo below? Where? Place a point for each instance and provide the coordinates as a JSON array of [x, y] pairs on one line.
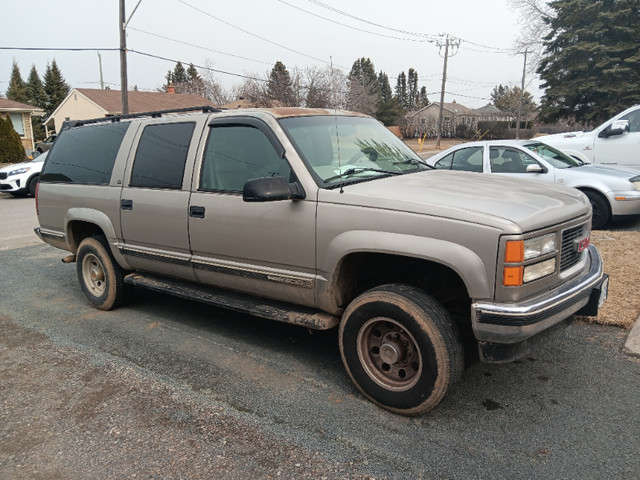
[[171, 89]]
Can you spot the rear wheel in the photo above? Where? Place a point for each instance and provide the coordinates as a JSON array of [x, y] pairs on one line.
[[600, 208], [401, 348], [100, 277]]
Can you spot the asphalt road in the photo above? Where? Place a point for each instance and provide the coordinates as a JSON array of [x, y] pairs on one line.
[[166, 388]]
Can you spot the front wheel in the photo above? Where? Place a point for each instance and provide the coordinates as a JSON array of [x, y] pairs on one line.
[[32, 184], [401, 348], [600, 209], [100, 277]]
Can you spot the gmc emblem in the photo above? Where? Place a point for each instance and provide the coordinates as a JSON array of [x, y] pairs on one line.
[[581, 245]]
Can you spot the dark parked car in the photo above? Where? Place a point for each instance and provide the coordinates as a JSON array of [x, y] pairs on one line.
[[46, 144]]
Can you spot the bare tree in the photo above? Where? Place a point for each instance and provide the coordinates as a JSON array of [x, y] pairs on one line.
[[212, 89], [533, 29]]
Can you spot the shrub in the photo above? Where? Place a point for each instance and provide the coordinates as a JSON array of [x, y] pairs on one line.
[[11, 149]]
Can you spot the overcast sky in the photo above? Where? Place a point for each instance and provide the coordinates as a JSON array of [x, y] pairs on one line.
[[246, 37]]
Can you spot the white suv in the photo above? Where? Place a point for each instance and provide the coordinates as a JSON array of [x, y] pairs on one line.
[[20, 179]]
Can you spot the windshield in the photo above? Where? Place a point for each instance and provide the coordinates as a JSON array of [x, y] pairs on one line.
[[554, 156], [341, 149]]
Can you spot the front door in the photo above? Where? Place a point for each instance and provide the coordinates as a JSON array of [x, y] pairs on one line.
[[266, 247]]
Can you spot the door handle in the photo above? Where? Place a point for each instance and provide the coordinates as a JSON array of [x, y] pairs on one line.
[[126, 204], [196, 212]]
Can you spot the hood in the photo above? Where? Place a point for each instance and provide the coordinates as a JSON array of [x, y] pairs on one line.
[[511, 205], [563, 137], [15, 166], [619, 173]]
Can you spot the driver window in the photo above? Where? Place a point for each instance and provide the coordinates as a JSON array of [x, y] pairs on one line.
[[237, 153], [468, 159], [510, 160], [634, 120]]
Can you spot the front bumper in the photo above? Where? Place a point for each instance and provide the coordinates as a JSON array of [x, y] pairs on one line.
[[625, 203], [13, 185], [507, 331]]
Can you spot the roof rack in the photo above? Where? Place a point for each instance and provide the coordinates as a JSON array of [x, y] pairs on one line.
[[156, 114]]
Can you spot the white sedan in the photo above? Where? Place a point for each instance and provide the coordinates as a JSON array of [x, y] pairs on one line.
[[20, 179], [612, 192]]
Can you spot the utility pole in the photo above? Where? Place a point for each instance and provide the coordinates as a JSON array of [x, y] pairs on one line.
[[524, 70], [101, 79], [123, 61], [444, 81], [124, 89]]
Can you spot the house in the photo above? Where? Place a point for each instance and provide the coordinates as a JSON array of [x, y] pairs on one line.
[[456, 117], [86, 103], [20, 115]]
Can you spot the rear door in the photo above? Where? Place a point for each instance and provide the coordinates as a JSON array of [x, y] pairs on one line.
[[155, 197]]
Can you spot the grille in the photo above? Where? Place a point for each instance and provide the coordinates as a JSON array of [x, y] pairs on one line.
[[3, 175], [570, 255]]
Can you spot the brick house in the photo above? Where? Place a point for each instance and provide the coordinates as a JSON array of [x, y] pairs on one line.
[[20, 115]]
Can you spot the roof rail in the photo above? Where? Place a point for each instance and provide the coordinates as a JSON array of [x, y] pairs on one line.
[[156, 114]]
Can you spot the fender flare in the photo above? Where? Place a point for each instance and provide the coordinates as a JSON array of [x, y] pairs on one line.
[[466, 263]]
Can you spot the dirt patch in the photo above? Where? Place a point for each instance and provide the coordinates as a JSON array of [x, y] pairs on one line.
[[621, 254]]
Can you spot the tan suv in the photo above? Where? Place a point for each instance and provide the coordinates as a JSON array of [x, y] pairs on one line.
[[322, 219]]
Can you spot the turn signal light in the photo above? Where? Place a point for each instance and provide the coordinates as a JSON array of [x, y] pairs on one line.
[[512, 276], [514, 252]]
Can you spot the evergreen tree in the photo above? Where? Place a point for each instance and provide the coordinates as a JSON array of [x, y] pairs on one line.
[[279, 86], [401, 90], [11, 149], [38, 98], [179, 74], [423, 101], [363, 87], [17, 90], [591, 67], [55, 87], [389, 109], [412, 88]]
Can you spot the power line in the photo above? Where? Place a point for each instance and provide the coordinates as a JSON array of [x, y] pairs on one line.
[[404, 32], [200, 46], [352, 27], [254, 35], [54, 49]]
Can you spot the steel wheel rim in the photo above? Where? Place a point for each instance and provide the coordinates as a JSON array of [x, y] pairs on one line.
[[389, 354], [94, 275]]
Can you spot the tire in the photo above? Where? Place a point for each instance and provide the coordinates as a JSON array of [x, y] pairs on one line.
[[100, 277], [600, 207], [400, 348], [32, 184]]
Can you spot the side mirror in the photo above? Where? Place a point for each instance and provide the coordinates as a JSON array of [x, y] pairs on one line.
[[617, 128], [271, 189], [535, 169]]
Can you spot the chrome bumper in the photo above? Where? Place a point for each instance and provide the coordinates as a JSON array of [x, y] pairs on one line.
[[511, 327]]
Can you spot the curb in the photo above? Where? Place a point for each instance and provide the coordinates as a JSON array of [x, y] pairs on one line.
[[632, 345]]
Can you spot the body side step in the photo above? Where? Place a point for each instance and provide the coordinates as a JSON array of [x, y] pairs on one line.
[[259, 307]]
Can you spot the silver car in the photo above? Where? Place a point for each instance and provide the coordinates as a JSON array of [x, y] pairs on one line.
[[613, 192]]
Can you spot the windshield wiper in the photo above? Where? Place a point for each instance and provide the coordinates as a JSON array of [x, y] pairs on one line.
[[412, 161], [355, 170]]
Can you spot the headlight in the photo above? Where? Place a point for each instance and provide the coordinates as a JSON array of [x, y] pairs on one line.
[[539, 270], [18, 171], [519, 251], [636, 182], [538, 246]]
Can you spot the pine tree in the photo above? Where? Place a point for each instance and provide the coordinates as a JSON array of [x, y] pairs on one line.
[[591, 67], [389, 109], [401, 90], [279, 86], [17, 90], [507, 99], [38, 98], [363, 87], [412, 88], [55, 87], [423, 101]]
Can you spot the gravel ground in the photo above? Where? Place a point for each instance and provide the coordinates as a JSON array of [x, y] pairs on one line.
[[119, 423]]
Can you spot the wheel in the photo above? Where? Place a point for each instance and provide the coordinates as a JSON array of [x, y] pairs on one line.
[[401, 348], [32, 184], [600, 207], [100, 277]]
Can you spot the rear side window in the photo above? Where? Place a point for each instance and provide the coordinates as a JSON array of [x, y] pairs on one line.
[[161, 156], [85, 154]]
